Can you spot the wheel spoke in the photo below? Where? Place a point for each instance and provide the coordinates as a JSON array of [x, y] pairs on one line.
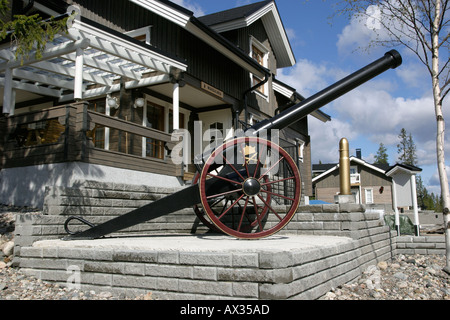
[[231, 207], [216, 202], [259, 162], [223, 193], [245, 162], [232, 167], [224, 179], [276, 163], [268, 206], [244, 212], [257, 215]]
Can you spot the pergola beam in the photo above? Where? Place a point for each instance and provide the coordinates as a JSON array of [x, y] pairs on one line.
[[40, 78], [47, 54], [116, 88], [105, 66], [40, 90]]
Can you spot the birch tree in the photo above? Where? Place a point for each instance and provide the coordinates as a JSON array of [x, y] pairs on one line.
[[423, 27]]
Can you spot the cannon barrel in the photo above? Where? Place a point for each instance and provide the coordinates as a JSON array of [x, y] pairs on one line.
[[391, 60]]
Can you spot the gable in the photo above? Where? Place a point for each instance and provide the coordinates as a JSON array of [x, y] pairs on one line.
[[267, 13]]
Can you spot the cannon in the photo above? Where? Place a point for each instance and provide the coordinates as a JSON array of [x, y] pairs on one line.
[[248, 187]]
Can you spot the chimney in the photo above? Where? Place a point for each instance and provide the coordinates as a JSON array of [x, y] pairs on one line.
[[358, 154]]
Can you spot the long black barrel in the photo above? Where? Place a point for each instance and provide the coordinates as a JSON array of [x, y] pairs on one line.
[[391, 60]]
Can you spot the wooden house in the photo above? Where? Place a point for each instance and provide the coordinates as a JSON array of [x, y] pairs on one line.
[[103, 101], [379, 186]]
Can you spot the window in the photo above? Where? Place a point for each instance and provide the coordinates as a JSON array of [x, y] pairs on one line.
[[261, 54], [301, 150], [369, 196], [355, 177]]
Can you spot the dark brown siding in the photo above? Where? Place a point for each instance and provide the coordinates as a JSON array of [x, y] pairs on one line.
[[203, 61]]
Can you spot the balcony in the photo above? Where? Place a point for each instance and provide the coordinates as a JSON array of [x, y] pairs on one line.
[[355, 179], [72, 133]]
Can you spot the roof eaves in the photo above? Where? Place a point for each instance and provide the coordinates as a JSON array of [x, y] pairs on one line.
[[325, 173], [402, 167], [169, 10]]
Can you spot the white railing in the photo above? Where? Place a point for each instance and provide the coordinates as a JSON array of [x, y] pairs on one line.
[[355, 178]]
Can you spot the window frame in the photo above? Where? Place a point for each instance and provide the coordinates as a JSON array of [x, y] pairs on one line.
[[263, 91], [366, 192]]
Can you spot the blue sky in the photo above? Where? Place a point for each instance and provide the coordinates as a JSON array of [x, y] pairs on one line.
[[326, 50]]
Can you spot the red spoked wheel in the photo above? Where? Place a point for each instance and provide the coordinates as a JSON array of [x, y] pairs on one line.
[[203, 217], [249, 188]]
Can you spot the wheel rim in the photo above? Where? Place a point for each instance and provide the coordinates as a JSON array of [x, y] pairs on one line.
[[200, 212], [256, 192]]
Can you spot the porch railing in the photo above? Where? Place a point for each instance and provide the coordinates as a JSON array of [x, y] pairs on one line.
[[67, 134]]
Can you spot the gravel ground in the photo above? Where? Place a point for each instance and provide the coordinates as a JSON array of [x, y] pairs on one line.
[[403, 278]]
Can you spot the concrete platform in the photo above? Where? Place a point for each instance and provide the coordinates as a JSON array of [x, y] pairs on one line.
[[185, 267], [323, 247], [202, 243]]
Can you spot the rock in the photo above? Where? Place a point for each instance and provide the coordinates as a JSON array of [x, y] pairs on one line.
[[421, 278], [371, 269], [401, 276], [382, 265], [8, 248], [330, 296], [105, 295], [2, 265]]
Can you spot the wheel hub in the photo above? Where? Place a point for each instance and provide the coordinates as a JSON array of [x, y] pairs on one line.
[[251, 187]]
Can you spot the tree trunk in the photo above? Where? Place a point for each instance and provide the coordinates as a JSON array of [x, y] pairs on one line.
[[440, 132]]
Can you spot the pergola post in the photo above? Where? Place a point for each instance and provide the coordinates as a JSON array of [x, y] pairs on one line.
[[8, 93], [176, 106], [78, 86]]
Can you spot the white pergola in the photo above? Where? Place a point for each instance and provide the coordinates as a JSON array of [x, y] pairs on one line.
[[86, 63]]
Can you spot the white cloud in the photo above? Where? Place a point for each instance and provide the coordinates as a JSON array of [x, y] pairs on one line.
[[355, 36], [326, 137], [369, 112], [306, 77]]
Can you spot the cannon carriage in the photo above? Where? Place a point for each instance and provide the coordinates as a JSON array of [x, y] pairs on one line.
[[248, 187]]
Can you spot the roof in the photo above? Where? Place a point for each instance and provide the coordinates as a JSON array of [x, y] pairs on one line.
[[332, 168], [233, 14], [245, 16], [185, 19], [106, 56], [403, 167], [381, 168]]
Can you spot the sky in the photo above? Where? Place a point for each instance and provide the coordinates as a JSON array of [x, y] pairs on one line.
[[326, 48]]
